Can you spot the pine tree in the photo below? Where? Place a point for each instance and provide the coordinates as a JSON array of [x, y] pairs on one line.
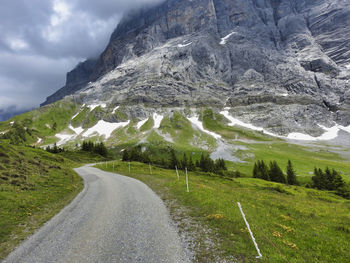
[[275, 173], [197, 163], [291, 176], [173, 159], [338, 180], [263, 171], [191, 166], [202, 162], [55, 149], [255, 171], [319, 179], [126, 156], [184, 163]]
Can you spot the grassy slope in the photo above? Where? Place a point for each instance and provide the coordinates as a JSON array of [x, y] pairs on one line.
[[262, 147], [290, 224], [42, 119], [34, 186], [304, 159]]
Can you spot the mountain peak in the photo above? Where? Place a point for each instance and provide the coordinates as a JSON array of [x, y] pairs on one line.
[[255, 56]]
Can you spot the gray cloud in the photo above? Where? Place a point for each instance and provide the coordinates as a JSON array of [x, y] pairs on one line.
[[42, 40]]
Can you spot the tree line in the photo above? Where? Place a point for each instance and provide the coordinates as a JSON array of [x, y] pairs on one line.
[[274, 173], [98, 148], [330, 180], [323, 180], [204, 164], [54, 149]]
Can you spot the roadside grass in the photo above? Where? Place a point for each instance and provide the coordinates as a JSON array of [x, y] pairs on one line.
[[290, 223], [34, 186], [82, 157]]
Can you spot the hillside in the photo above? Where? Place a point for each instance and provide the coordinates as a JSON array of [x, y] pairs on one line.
[[34, 186]]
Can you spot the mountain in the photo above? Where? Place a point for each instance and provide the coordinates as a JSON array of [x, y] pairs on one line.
[[283, 65]]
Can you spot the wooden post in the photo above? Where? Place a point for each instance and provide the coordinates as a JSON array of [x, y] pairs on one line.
[[150, 169], [113, 166], [177, 173], [188, 190], [129, 167]]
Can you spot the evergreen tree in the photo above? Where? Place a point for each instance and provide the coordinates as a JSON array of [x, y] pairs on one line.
[[318, 180], [255, 171], [136, 154], [291, 176], [202, 162], [275, 173], [184, 163], [191, 166], [327, 180], [338, 180], [55, 149], [101, 149], [220, 165], [262, 171], [146, 158], [126, 156], [197, 164], [54, 126], [173, 159]]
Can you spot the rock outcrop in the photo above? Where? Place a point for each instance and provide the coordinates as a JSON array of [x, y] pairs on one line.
[[280, 64]]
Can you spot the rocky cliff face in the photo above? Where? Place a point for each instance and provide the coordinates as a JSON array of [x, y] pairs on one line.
[[280, 64]]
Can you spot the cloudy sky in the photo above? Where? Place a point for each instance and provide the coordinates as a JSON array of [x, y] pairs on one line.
[[41, 40]]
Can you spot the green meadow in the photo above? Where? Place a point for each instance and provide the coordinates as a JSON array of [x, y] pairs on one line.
[[290, 223], [34, 186]]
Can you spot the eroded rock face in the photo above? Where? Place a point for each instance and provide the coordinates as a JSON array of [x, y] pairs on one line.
[[281, 64]]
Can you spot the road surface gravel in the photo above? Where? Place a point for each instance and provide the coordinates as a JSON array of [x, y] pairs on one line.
[[114, 219]]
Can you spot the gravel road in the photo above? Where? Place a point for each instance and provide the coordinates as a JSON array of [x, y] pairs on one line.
[[114, 219]]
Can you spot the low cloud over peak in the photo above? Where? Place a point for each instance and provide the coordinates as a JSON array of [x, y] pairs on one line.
[[42, 40]]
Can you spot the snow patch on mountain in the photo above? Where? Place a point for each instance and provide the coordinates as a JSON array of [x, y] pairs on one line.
[[75, 115], [105, 128], [329, 134], [78, 130], [157, 120], [183, 45], [235, 122], [141, 123], [195, 120], [64, 138], [224, 39], [115, 109], [94, 106]]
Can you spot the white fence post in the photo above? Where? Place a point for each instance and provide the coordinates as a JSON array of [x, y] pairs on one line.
[[177, 173], [250, 232], [113, 166], [188, 190], [129, 167]]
